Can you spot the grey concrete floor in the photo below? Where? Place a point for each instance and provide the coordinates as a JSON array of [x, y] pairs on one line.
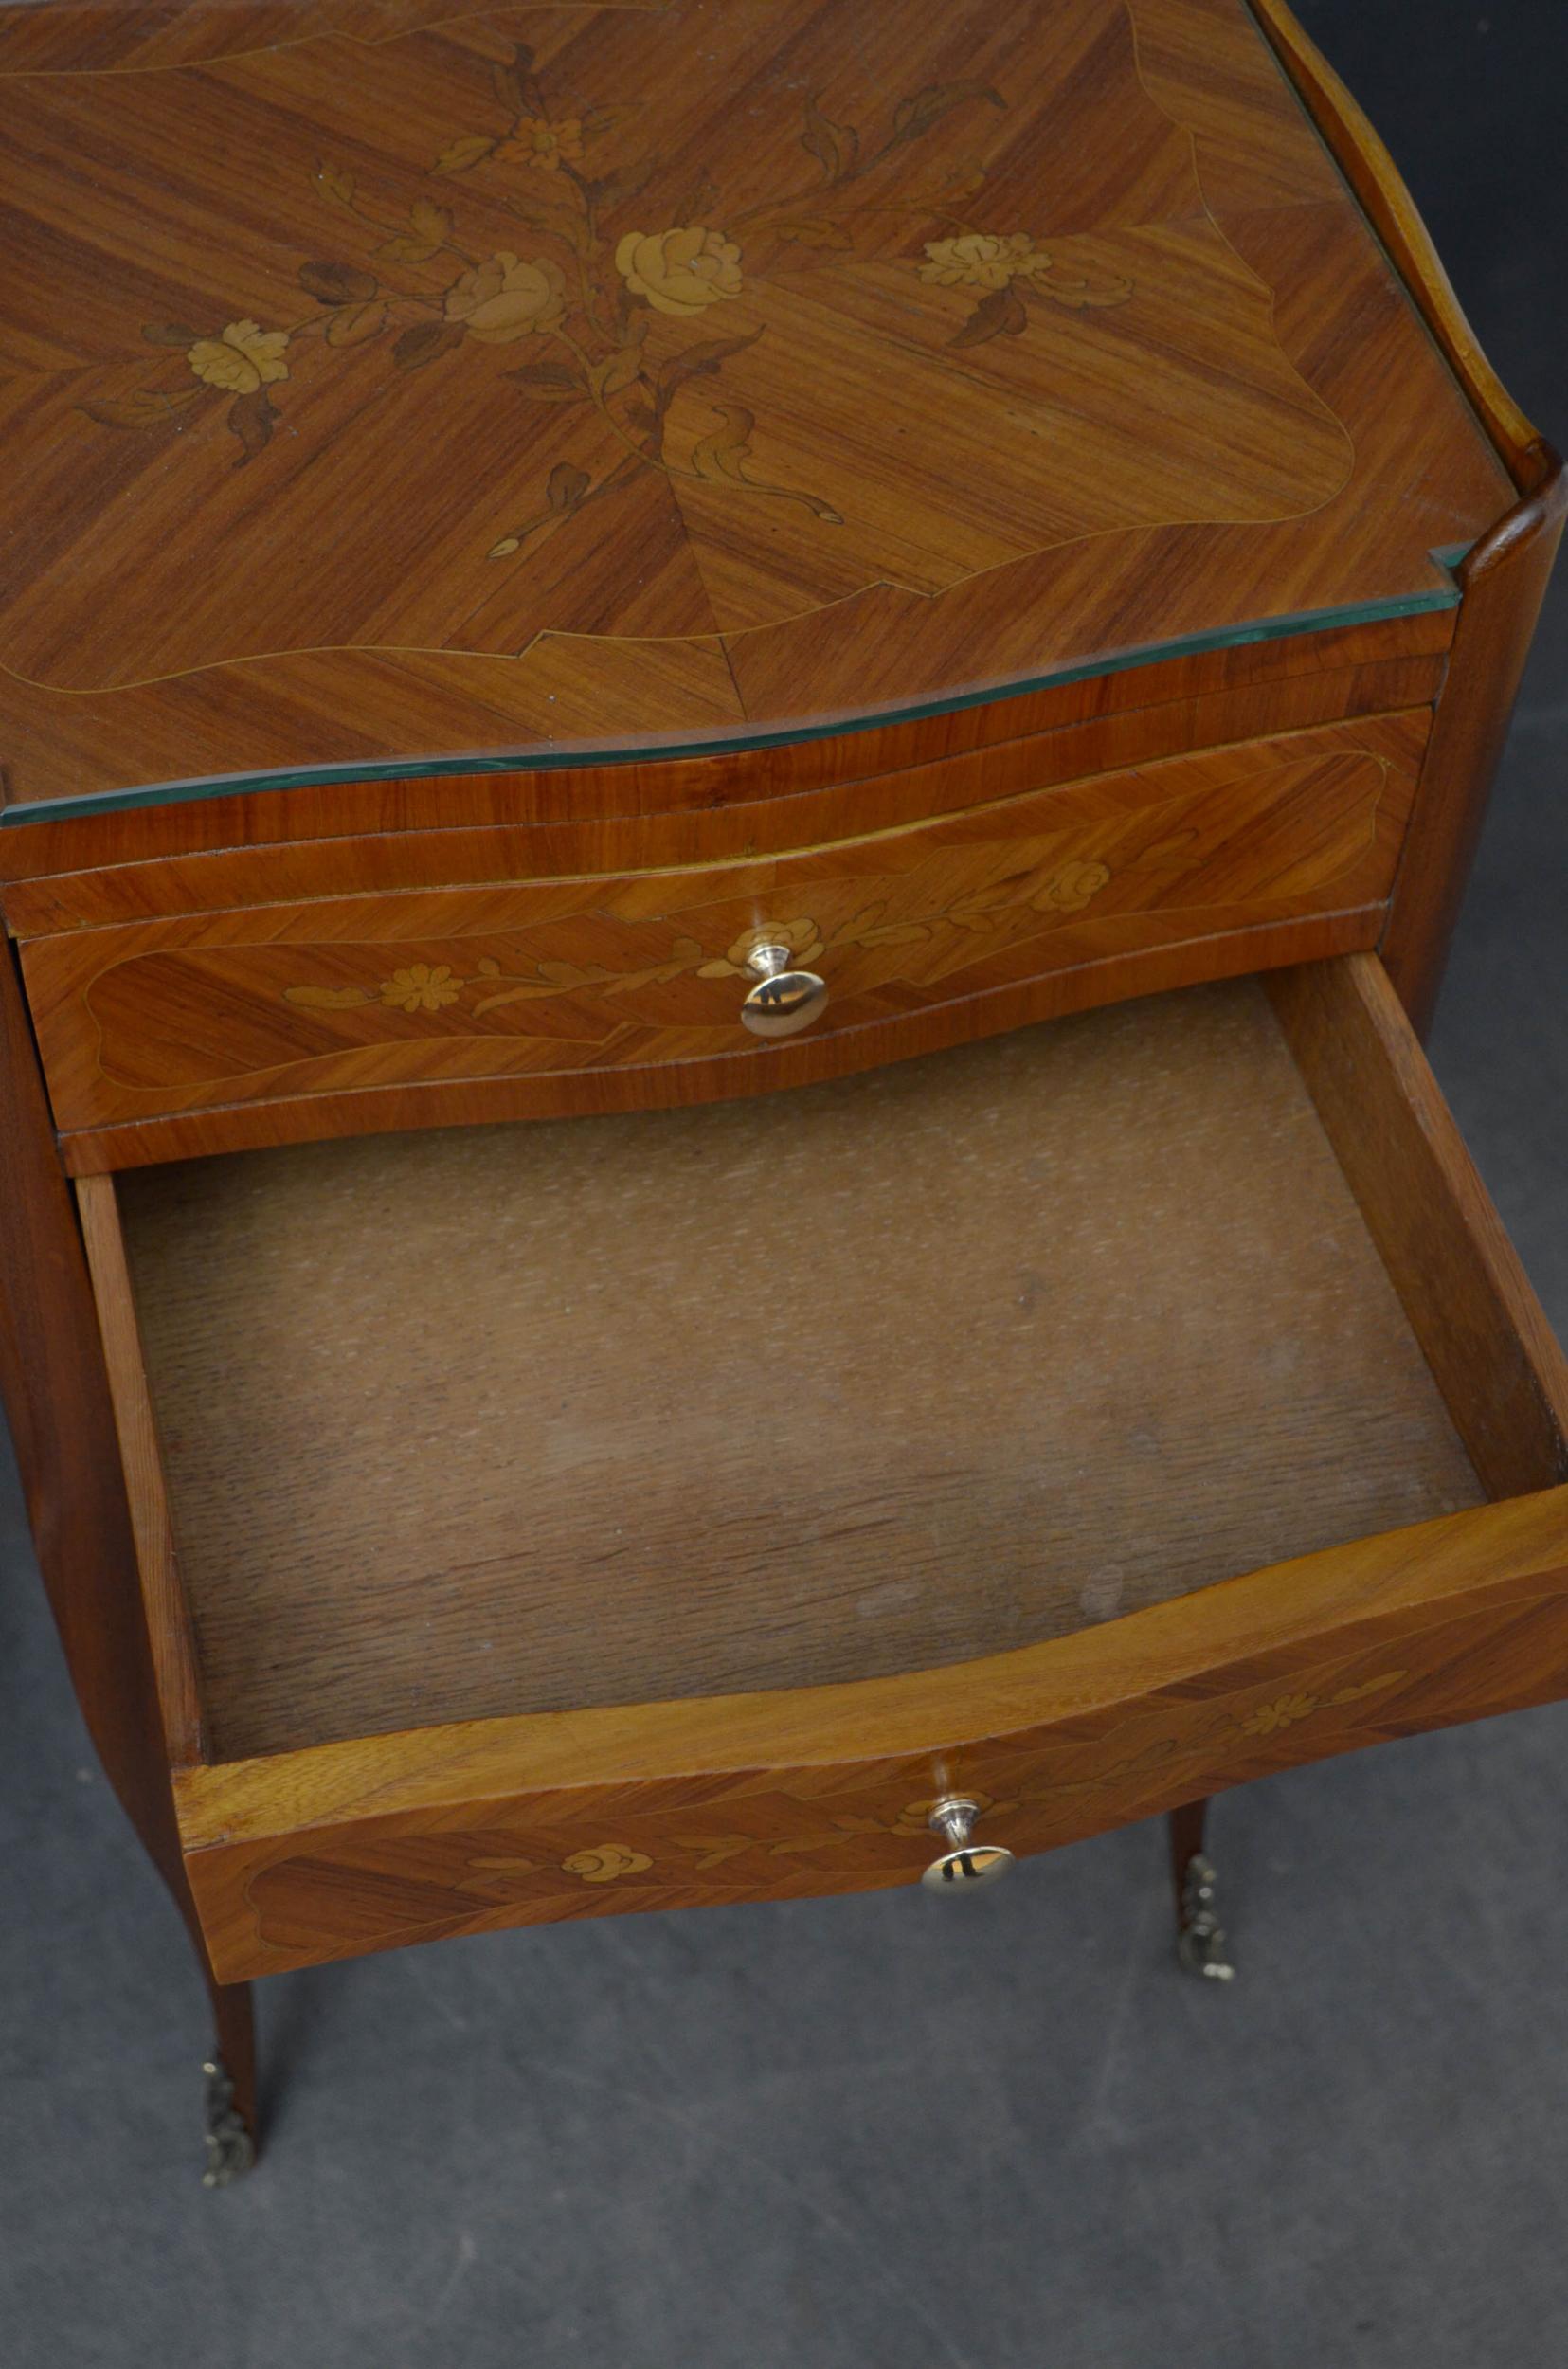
[[885, 2133]]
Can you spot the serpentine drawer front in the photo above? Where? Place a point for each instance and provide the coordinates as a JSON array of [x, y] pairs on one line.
[[644, 1567], [544, 980]]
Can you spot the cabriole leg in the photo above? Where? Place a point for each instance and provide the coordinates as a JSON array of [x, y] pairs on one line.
[[1200, 1935], [230, 2077]]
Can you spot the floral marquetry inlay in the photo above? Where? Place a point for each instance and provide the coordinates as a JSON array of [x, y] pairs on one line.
[[489, 382], [580, 294], [767, 1841], [982, 908], [589, 375], [521, 977]]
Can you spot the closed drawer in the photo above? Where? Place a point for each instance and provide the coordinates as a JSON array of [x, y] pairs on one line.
[[655, 1510], [606, 990]]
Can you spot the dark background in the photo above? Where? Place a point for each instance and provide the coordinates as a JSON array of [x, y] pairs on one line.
[[883, 2133]]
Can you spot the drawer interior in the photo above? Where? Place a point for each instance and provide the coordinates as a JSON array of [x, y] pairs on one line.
[[881, 1375]]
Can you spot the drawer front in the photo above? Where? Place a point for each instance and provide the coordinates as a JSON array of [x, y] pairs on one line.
[[295, 1003], [1376, 1670]]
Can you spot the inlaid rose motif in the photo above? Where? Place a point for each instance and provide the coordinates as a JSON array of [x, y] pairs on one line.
[[245, 359], [503, 299], [978, 260], [421, 281], [801, 939], [1072, 887], [606, 1861], [914, 1819], [546, 146], [421, 987], [680, 271]]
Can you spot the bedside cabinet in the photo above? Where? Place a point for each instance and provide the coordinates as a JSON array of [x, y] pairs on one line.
[[738, 740]]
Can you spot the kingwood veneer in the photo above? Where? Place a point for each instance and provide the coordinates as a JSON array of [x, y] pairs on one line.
[[510, 514]]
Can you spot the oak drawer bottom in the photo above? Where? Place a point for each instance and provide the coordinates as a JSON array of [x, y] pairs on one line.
[[890, 1373]]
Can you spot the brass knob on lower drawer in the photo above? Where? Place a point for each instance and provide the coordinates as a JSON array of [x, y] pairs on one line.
[[962, 1862], [783, 1000]]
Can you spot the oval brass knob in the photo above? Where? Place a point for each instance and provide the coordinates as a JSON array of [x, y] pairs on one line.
[[783, 1000], [962, 1862]]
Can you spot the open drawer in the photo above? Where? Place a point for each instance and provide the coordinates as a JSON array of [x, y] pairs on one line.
[[630, 1512]]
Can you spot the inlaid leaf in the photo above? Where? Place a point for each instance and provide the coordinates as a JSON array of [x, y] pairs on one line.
[[574, 975], [617, 188], [809, 230], [170, 333], [405, 249], [977, 911], [337, 283], [250, 418], [514, 995], [458, 157], [1001, 312], [602, 119], [432, 221], [424, 342], [700, 361], [721, 455], [967, 180], [856, 927], [539, 214], [915, 115], [712, 1850], [328, 999], [337, 184], [566, 486], [1077, 294], [548, 382], [137, 409], [353, 323], [836, 146]]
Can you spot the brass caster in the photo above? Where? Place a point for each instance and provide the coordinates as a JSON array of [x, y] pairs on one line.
[[1200, 1935], [230, 2148]]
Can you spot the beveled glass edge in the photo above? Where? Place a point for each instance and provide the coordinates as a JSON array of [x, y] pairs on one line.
[[650, 751]]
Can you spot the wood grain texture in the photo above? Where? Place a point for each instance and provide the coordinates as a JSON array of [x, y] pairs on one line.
[[58, 1405], [167, 1616], [1030, 340], [803, 1060], [1503, 575], [1484, 1333], [1373, 174], [877, 1377], [389, 1840], [570, 976], [1505, 579], [213, 855]]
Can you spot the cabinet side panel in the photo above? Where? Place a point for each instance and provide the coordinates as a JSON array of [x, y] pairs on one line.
[[57, 1398], [1504, 580]]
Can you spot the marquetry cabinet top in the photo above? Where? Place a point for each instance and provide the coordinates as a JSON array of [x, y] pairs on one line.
[[384, 383]]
